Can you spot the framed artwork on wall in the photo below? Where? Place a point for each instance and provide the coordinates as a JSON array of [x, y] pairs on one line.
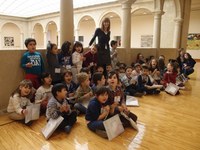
[[193, 41], [146, 40], [9, 41]]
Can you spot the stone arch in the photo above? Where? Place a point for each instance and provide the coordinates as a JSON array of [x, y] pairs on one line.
[[178, 9], [10, 35], [85, 29], [38, 34], [51, 32]]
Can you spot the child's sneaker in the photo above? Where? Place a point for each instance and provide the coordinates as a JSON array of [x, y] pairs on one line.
[[133, 124], [68, 129], [101, 133]]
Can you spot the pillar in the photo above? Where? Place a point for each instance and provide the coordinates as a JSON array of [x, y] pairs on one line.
[[22, 40], [177, 32], [126, 23], [157, 29], [66, 21], [76, 34]]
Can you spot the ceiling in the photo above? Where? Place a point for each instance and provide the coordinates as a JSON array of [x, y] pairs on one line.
[[30, 8]]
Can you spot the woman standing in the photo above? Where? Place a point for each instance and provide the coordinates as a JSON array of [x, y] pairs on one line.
[[103, 53]]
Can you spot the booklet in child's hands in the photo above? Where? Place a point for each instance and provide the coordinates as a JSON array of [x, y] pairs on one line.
[[51, 126], [33, 112]]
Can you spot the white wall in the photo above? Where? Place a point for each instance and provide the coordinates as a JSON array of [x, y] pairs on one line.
[[194, 27], [140, 25]]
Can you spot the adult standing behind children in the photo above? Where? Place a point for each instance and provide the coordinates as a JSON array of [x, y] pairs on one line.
[[32, 62], [103, 35]]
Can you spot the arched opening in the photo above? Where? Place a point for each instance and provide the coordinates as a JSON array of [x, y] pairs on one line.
[[38, 34], [10, 36], [52, 34]]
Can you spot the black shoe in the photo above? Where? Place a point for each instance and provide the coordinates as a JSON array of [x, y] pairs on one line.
[[101, 133], [68, 129], [156, 92]]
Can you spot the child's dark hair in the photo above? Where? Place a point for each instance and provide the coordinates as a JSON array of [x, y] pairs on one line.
[[65, 48], [102, 90], [97, 76], [43, 76], [85, 69], [66, 72], [23, 83], [144, 66], [113, 42], [57, 88], [77, 44], [111, 73], [28, 40], [128, 67]]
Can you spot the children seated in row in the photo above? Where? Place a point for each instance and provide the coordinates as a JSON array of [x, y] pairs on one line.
[[19, 100], [58, 106], [145, 84], [130, 83]]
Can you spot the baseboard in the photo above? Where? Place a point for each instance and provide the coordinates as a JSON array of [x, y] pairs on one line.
[[197, 60]]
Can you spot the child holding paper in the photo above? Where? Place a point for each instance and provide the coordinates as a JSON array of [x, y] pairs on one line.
[[58, 106], [96, 113], [116, 101], [19, 100], [83, 93]]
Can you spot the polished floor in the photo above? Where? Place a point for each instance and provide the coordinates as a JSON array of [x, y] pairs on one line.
[[165, 123]]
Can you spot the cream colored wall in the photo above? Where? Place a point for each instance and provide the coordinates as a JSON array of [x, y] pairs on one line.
[[140, 25], [38, 35], [194, 27], [86, 29], [167, 24], [11, 73]]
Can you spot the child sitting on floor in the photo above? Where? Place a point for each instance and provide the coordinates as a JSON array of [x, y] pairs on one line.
[[96, 113], [58, 106], [43, 93], [19, 100], [83, 93]]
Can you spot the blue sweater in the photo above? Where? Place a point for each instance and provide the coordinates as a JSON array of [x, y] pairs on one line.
[[36, 60], [94, 110]]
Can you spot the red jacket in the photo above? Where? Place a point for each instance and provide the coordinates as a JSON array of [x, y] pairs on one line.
[[169, 77]]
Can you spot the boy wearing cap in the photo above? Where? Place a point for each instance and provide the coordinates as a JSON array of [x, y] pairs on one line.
[[32, 62]]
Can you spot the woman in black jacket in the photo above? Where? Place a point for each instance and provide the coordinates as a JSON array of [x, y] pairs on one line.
[[103, 52]]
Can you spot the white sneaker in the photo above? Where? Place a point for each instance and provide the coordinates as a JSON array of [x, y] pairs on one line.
[[133, 123]]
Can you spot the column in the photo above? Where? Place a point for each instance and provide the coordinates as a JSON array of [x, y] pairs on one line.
[[157, 28], [58, 40], [22, 40], [1, 44], [76, 34], [33, 34], [177, 32], [66, 21], [126, 23], [45, 40]]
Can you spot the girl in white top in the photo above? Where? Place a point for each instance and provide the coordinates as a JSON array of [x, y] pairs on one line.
[[19, 99], [43, 93], [77, 56]]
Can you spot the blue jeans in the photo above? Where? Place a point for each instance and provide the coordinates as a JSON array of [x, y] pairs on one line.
[[80, 108], [96, 125]]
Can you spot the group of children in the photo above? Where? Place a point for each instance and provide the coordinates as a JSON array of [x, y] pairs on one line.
[[91, 92]]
